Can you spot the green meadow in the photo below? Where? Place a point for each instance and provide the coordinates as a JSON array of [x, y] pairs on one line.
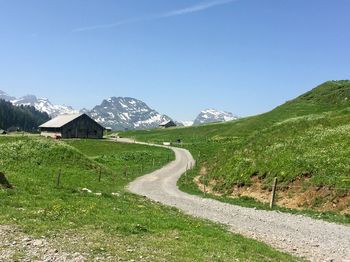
[[119, 226]]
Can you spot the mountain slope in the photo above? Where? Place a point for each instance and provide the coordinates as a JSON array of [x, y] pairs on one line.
[[5, 96], [41, 104], [122, 113], [213, 115], [26, 118], [44, 105]]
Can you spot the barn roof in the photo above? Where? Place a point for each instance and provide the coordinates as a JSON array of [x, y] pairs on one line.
[[60, 120]]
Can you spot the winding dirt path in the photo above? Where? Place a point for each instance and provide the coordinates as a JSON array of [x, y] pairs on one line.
[[298, 235]]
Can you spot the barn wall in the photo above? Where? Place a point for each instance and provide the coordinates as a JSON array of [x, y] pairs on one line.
[[50, 132], [82, 127]]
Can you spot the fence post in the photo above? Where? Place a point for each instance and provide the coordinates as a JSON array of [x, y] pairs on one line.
[[58, 178], [99, 175], [273, 193], [204, 186], [153, 162]]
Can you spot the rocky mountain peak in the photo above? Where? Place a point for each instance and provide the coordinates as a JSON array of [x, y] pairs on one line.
[[212, 115], [122, 113]]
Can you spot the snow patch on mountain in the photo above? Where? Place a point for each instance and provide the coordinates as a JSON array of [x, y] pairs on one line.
[[186, 123], [213, 115], [5, 96]]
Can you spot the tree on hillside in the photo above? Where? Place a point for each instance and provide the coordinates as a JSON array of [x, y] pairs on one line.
[[26, 118]]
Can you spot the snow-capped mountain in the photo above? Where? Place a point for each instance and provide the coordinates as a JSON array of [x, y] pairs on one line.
[[44, 105], [213, 115], [185, 123], [121, 113], [5, 96], [40, 104]]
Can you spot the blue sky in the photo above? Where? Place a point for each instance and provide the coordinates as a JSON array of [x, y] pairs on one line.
[[179, 56]]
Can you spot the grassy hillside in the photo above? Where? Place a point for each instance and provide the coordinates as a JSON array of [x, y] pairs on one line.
[[304, 142], [118, 227]]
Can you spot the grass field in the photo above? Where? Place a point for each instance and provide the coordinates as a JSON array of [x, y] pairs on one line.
[[120, 227], [304, 143]]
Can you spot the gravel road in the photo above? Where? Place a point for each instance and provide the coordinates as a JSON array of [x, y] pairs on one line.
[[298, 235]]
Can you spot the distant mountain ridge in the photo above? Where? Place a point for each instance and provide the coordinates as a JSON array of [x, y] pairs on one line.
[[44, 105], [184, 123], [119, 113], [213, 115], [122, 113], [40, 104], [5, 96]]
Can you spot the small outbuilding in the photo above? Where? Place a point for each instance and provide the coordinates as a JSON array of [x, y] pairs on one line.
[[13, 129], [167, 124], [72, 126]]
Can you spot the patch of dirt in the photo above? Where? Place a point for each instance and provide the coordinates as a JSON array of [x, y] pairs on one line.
[[17, 246], [203, 187], [85, 244], [297, 195]]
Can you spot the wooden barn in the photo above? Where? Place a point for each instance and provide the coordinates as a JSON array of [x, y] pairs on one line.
[[72, 126], [167, 124]]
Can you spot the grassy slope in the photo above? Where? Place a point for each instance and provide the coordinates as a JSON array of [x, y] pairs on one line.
[[125, 226], [306, 138]]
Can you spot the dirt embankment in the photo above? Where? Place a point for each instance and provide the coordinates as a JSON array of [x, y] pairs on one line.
[[296, 195]]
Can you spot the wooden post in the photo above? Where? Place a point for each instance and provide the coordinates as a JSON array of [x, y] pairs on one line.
[[58, 178], [168, 158], [99, 175], [273, 193], [153, 162], [204, 188]]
